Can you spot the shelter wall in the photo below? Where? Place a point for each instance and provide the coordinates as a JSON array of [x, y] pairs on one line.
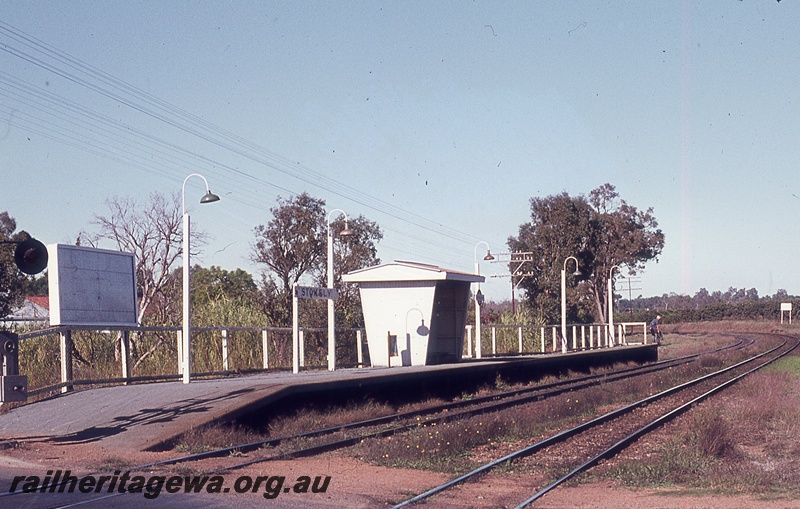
[[401, 310]]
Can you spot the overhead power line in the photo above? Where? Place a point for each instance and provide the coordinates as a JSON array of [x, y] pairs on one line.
[[91, 78]]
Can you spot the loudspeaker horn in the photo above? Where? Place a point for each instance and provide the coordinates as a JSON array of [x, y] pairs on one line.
[[31, 256]]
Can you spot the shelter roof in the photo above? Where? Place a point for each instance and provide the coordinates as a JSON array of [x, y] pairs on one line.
[[409, 271]]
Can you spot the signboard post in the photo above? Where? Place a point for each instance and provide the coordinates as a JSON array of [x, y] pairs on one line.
[[305, 292]]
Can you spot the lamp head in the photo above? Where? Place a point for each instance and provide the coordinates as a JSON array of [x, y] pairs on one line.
[[346, 231], [488, 256], [209, 197], [577, 273]]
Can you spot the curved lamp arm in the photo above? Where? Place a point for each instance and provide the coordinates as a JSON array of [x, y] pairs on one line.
[[207, 198], [577, 270], [346, 231]]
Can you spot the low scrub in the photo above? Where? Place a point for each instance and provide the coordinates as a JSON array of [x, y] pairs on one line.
[[743, 441]]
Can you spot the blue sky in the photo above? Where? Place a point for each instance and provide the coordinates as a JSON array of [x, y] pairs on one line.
[[438, 120]]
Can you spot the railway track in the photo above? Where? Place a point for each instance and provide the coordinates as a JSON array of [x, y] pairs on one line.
[[352, 433], [604, 436], [392, 424]]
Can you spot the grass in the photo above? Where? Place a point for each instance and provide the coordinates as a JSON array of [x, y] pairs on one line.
[[708, 443], [215, 436], [742, 442], [788, 364], [111, 463], [460, 446]]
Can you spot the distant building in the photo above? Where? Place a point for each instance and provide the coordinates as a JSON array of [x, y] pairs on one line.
[[34, 310]]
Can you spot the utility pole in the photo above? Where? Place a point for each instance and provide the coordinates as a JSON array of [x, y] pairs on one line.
[[518, 272]]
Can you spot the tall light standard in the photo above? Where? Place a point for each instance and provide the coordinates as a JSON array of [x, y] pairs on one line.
[[611, 304], [207, 198], [346, 232], [479, 296], [564, 300]]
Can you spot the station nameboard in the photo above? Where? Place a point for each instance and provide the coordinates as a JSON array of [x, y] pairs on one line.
[[91, 286], [310, 292]]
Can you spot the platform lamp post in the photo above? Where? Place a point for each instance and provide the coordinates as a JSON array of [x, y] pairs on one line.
[[346, 232], [187, 329], [479, 296], [611, 304], [564, 300]]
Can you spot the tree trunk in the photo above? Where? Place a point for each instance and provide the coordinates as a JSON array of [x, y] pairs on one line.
[[599, 308]]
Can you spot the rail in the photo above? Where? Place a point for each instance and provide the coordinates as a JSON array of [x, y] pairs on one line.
[[592, 425]]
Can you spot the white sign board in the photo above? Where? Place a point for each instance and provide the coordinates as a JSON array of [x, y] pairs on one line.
[[310, 292], [91, 286], [786, 306]]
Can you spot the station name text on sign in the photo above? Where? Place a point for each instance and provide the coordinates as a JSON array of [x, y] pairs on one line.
[[310, 292]]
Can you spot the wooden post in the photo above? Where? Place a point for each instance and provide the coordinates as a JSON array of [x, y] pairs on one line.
[[265, 348], [180, 352], [359, 348], [125, 354], [544, 340], [295, 332], [224, 350], [302, 349], [66, 360]]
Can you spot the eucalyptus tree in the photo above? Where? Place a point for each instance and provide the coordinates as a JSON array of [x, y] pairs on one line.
[[12, 282], [603, 232], [153, 232], [561, 226], [293, 244], [356, 251], [626, 237]]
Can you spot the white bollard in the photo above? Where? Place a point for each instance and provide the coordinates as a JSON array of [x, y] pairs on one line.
[[359, 349], [544, 340], [224, 350]]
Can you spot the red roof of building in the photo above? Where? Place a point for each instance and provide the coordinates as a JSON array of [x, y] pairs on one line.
[[40, 300]]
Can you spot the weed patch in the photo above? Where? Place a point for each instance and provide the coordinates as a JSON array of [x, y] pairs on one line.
[[742, 442], [214, 436]]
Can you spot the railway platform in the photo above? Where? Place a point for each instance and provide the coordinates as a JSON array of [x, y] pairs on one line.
[[147, 416]]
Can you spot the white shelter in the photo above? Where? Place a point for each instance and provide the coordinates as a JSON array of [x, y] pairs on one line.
[[415, 314]]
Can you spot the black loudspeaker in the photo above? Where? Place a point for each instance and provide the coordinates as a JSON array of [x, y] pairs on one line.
[[31, 256]]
